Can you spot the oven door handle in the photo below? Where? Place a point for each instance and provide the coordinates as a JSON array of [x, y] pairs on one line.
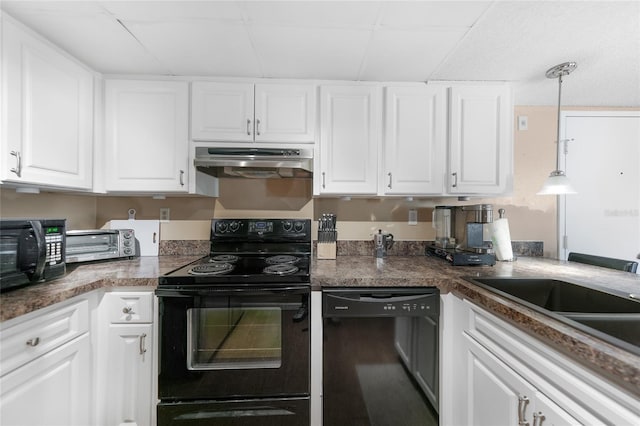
[[234, 291]]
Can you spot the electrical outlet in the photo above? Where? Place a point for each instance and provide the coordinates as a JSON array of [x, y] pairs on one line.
[[523, 122], [413, 217], [164, 214]]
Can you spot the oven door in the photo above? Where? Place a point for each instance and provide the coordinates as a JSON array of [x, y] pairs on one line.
[[234, 343]]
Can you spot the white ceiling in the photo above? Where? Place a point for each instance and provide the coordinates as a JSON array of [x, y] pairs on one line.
[[513, 41]]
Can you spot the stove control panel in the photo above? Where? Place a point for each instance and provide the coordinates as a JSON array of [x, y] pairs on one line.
[[261, 227]]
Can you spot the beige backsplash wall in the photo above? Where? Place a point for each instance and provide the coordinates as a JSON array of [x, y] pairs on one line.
[[531, 217]]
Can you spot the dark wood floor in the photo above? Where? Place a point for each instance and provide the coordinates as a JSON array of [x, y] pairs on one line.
[[364, 382]]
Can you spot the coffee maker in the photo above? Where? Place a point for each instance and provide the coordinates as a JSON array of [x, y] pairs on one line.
[[460, 234]]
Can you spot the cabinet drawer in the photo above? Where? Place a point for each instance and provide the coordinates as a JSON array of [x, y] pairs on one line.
[[129, 307], [36, 336]]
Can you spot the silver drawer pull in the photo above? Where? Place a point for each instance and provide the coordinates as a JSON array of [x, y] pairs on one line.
[[33, 342], [143, 349], [127, 310]]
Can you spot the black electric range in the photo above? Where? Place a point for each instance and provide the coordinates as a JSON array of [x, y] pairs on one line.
[[247, 252]]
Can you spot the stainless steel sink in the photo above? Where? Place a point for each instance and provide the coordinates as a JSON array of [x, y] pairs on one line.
[[607, 315]]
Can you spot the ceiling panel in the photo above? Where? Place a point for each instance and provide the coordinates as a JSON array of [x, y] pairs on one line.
[[416, 14], [199, 48], [317, 14], [293, 52], [408, 55]]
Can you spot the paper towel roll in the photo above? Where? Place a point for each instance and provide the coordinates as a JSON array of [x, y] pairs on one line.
[[501, 238]]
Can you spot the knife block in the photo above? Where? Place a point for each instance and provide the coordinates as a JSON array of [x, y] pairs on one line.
[[326, 250]]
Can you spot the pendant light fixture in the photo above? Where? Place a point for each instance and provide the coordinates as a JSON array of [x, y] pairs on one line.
[[557, 183]]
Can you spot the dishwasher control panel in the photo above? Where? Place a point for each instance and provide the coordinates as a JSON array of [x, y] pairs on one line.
[[380, 302]]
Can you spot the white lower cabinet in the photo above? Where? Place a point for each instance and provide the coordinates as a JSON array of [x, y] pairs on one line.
[[46, 367], [129, 361], [126, 359], [495, 374]]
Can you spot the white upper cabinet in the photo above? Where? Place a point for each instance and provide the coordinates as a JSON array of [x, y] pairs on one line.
[[146, 136], [414, 141], [480, 139], [244, 112], [349, 135], [47, 111]]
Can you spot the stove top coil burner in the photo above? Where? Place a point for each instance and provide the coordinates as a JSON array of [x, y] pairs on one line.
[[224, 258], [281, 269], [282, 259], [214, 268]]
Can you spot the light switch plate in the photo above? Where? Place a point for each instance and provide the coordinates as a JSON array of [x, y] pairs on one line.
[[164, 214], [523, 122]]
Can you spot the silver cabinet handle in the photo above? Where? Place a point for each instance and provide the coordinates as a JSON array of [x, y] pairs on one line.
[[181, 177], [127, 310], [390, 179], [455, 179], [18, 169], [523, 401], [33, 342], [154, 237], [248, 127], [257, 127], [143, 349], [323, 181], [538, 418]]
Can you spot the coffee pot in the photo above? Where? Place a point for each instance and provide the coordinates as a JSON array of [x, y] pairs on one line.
[[382, 243]]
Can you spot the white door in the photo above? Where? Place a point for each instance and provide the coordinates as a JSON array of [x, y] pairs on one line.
[[415, 140], [285, 113], [222, 111], [146, 136], [480, 139], [348, 140], [603, 164]]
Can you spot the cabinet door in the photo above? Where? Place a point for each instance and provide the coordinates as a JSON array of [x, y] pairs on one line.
[[47, 138], [129, 381], [497, 395], [403, 336], [348, 140], [285, 113], [480, 140], [146, 136], [54, 389], [222, 111], [426, 358], [415, 140]]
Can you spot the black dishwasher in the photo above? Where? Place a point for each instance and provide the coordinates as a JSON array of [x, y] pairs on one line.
[[380, 356]]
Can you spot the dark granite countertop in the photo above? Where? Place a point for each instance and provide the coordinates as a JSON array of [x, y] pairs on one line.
[[84, 277], [611, 362], [615, 364]]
